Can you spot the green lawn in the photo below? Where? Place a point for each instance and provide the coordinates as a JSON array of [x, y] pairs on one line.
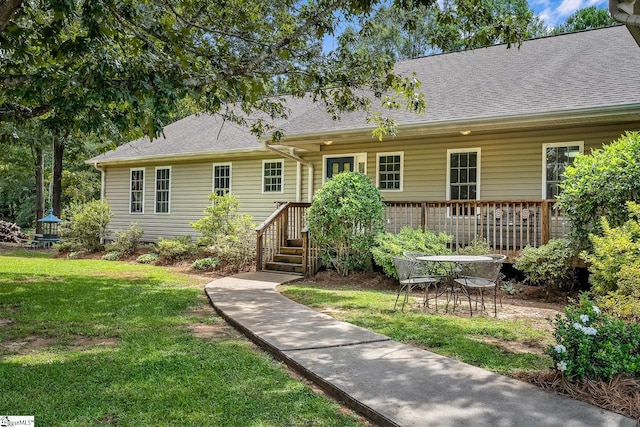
[[114, 348], [474, 340]]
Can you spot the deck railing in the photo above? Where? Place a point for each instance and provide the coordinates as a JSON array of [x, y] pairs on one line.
[[508, 226], [287, 223]]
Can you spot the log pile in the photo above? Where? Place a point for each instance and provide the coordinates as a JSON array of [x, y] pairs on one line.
[[9, 232]]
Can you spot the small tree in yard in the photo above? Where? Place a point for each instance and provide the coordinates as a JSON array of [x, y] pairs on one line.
[[346, 215], [229, 234], [87, 227]]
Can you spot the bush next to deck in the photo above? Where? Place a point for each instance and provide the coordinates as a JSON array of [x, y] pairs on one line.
[[388, 245], [600, 184], [548, 265], [615, 267], [229, 234], [345, 216]]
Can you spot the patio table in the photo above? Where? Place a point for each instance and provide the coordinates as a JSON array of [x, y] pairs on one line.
[[450, 265]]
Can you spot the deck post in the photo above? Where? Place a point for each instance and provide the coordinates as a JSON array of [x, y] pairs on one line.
[[545, 222]]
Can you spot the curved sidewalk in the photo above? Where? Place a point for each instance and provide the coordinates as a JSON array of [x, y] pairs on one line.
[[391, 383]]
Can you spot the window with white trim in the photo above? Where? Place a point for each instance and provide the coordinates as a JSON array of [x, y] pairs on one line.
[[222, 178], [163, 189], [272, 176], [555, 159], [136, 190], [390, 171], [463, 177]]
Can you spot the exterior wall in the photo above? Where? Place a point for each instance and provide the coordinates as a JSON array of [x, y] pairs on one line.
[[511, 169], [511, 163], [191, 184]]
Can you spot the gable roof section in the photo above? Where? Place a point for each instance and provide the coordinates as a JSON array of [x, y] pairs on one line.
[[578, 71], [587, 71]]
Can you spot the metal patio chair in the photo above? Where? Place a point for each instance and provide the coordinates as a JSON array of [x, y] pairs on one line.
[[406, 269], [478, 277], [426, 269]]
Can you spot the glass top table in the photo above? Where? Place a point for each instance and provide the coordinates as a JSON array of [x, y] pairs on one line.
[[454, 258]]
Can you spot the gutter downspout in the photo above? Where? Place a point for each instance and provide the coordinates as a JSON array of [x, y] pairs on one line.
[[627, 13], [102, 180], [309, 166]]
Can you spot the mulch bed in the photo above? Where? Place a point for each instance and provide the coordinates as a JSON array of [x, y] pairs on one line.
[[620, 394]]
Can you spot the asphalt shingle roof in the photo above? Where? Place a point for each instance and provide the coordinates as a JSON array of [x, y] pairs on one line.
[[585, 70]]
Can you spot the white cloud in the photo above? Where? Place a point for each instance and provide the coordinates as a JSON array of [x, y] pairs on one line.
[[553, 13], [567, 7]]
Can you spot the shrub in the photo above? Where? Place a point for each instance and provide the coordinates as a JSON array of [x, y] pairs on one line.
[[205, 264], [617, 248], [128, 242], [615, 267], [177, 249], [593, 345], [388, 245], [599, 184], [478, 246], [549, 265], [147, 258], [87, 226], [345, 216], [111, 256], [229, 234]]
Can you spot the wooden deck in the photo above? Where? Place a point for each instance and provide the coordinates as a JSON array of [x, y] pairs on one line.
[[508, 226]]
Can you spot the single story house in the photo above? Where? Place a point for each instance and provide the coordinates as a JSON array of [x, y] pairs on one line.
[[486, 158]]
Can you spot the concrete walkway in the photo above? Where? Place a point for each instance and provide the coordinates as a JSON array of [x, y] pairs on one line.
[[390, 383]]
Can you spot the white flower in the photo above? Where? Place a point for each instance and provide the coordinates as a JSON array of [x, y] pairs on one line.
[[596, 310], [561, 365], [577, 326], [588, 330], [584, 318], [560, 348]]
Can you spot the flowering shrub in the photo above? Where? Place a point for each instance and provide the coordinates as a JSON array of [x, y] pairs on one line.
[[147, 258], [205, 264], [593, 345]]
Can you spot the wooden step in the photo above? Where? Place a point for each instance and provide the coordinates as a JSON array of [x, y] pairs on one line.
[[291, 259], [291, 250], [284, 266], [294, 242]]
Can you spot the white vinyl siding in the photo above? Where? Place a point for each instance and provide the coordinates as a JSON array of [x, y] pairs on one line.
[[222, 178], [390, 170], [136, 191], [163, 190], [272, 176], [555, 158]]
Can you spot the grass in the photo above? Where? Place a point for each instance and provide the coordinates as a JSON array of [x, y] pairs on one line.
[[116, 349], [471, 340]]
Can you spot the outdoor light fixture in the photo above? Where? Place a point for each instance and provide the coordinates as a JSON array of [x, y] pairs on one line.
[[465, 132]]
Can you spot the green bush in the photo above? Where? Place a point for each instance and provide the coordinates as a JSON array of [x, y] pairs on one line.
[[548, 265], [478, 246], [229, 234], [205, 264], [345, 216], [593, 345], [87, 226], [127, 242], [388, 245], [614, 266], [111, 256], [177, 249], [147, 258], [618, 247], [599, 184]]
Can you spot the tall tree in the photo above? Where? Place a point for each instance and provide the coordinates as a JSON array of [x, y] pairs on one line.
[[417, 30], [585, 19]]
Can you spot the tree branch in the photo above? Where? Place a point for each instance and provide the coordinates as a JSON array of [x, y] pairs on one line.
[[11, 81], [10, 111], [7, 9]]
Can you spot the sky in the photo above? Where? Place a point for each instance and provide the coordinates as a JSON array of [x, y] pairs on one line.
[[554, 12]]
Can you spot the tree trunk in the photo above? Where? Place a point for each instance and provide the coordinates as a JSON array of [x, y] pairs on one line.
[[39, 174], [58, 154]]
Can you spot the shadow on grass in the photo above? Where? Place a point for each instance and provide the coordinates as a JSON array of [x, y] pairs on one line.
[[448, 335]]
